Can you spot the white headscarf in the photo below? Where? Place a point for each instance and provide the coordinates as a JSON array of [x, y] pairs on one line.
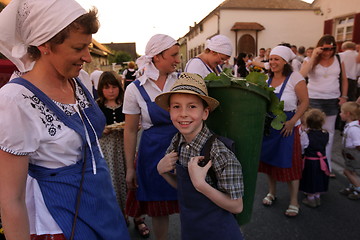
[[285, 52], [25, 23], [220, 44], [157, 44]]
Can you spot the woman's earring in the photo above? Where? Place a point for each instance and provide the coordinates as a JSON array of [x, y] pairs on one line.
[[45, 53]]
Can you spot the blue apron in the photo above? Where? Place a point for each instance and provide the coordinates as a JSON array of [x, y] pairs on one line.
[[276, 149], [153, 145], [100, 217], [200, 217]]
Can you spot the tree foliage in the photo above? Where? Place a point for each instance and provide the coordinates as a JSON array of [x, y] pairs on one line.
[[119, 57]]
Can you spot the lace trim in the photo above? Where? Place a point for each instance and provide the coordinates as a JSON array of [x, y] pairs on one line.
[[14, 152]]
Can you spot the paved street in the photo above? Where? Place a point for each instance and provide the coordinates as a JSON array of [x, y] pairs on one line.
[[337, 217]]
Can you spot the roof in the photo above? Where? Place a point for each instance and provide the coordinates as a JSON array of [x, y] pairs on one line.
[[100, 47], [266, 4], [129, 48], [247, 26]]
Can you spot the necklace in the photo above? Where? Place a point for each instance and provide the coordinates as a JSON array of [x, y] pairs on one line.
[[325, 75]]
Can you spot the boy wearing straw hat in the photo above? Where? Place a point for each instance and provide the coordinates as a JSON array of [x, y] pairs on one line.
[[206, 204]]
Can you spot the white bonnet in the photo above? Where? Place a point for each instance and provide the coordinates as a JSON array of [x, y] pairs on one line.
[[285, 52], [220, 44], [157, 44], [25, 23]]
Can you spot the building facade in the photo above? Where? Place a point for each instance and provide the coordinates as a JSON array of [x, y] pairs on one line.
[[251, 25]]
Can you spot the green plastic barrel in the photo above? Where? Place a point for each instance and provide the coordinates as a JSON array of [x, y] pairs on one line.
[[241, 117]]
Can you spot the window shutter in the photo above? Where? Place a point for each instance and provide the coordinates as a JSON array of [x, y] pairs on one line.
[[328, 26], [356, 30]]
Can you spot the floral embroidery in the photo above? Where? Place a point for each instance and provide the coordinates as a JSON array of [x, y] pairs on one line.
[[48, 118], [51, 122]]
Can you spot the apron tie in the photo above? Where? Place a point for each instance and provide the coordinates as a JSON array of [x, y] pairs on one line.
[[323, 165]]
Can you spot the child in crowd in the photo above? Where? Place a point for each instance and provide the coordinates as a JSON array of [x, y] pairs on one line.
[[110, 101], [315, 175], [350, 113], [207, 205]]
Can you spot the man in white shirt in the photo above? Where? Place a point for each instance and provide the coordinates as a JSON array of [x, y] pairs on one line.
[[348, 56], [94, 77], [261, 55]]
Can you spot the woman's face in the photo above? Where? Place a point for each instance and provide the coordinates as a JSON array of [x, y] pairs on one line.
[[67, 58], [167, 61], [111, 92], [327, 51], [217, 59], [277, 63]]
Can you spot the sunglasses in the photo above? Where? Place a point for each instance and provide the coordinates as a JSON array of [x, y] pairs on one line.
[[328, 49]]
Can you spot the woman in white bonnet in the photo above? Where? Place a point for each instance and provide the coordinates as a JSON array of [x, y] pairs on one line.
[[218, 49], [281, 152], [157, 198], [54, 181]]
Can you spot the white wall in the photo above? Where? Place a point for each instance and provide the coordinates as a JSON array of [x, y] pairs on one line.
[[210, 28], [295, 27], [337, 8]]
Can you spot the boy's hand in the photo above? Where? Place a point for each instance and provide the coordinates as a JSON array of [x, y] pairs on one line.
[[197, 173], [167, 163]]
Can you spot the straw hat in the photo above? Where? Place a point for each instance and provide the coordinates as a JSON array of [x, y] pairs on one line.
[[188, 83]]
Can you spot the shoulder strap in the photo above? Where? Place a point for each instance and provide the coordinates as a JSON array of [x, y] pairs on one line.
[[340, 75], [205, 151], [282, 87], [176, 143]]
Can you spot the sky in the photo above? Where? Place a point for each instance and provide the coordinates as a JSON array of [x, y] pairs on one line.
[[137, 20]]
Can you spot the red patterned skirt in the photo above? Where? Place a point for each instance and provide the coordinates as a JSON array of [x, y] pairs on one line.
[[135, 208], [48, 237], [286, 174]]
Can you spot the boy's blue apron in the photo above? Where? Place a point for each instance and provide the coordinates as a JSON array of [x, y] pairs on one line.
[[277, 150], [200, 217], [153, 145], [100, 217]]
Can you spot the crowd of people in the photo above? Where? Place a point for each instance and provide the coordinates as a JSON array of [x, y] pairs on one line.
[[84, 158]]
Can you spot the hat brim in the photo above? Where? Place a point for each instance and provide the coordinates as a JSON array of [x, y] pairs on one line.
[[163, 99]]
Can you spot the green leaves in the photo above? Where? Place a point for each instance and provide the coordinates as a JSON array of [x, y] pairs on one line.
[[257, 78], [225, 79]]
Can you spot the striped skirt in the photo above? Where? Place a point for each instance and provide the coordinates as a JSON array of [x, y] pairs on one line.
[[286, 174]]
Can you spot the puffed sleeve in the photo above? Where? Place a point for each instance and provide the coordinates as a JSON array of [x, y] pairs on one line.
[[19, 134], [131, 105]]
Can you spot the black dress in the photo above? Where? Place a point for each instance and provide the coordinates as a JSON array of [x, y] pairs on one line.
[[314, 179], [112, 146], [113, 115]]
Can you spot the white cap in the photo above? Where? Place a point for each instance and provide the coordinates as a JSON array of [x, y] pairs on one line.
[[220, 44], [25, 23], [286, 53]]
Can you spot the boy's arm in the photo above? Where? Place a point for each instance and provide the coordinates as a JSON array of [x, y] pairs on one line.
[[166, 165], [198, 174]]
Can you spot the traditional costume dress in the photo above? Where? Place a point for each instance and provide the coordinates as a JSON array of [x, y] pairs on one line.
[[219, 44], [61, 141], [200, 217], [315, 175], [112, 145], [281, 156], [156, 196]]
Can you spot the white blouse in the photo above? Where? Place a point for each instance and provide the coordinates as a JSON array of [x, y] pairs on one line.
[[134, 103], [351, 137], [29, 128], [289, 95], [324, 81]]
